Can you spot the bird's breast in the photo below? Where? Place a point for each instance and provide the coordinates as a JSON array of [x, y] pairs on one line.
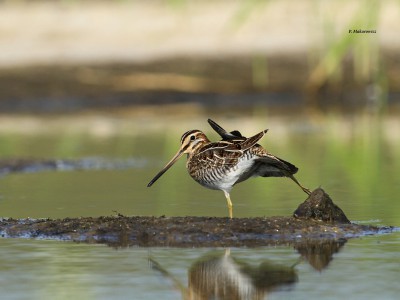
[[222, 175]]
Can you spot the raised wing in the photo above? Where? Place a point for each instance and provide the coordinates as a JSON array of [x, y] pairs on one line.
[[226, 136], [226, 153], [247, 143]]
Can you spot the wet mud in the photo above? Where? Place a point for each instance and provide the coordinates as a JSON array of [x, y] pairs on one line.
[[184, 231], [144, 231]]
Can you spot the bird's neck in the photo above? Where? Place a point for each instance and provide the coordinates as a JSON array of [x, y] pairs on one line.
[[197, 148]]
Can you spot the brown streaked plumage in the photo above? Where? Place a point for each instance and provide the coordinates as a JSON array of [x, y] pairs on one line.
[[220, 165]]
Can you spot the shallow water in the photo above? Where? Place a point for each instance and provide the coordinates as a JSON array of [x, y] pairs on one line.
[[364, 268], [358, 165]]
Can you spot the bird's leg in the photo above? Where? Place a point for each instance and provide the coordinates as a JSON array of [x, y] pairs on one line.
[[230, 205], [305, 190]]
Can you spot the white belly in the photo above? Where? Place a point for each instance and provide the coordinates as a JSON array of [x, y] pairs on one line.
[[227, 181]]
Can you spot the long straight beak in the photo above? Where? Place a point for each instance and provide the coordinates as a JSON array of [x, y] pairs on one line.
[[168, 165]]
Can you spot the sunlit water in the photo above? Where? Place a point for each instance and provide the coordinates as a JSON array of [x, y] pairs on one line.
[[358, 167]]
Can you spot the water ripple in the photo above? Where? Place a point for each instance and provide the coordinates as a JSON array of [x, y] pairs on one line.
[[90, 163]]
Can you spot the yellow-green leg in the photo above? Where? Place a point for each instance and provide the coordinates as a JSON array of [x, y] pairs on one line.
[[305, 190], [230, 205]]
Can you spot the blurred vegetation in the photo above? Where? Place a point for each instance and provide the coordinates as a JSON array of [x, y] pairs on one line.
[[361, 50], [334, 51], [340, 70]]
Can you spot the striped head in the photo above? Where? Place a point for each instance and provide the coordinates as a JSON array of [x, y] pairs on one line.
[[190, 142]]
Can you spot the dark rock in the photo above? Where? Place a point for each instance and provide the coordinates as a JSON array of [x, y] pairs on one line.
[[319, 206]]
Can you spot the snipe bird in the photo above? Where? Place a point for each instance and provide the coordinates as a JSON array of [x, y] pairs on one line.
[[220, 165]]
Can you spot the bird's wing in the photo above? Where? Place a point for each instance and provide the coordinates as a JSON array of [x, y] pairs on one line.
[[226, 136], [216, 154], [247, 143], [230, 149]]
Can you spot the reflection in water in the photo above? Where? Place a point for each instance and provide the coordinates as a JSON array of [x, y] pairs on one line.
[[220, 276], [223, 277], [319, 255]]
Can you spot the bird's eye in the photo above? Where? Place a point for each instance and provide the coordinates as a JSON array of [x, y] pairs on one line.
[[192, 138]]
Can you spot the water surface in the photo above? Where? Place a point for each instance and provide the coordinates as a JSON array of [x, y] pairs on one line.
[[357, 163]]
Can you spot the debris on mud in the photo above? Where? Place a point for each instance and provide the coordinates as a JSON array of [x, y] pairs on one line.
[[319, 206]]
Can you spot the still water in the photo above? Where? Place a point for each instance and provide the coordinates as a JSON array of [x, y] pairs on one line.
[[356, 162]]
